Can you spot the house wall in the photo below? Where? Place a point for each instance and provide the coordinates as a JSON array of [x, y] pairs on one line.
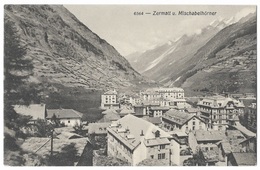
[[139, 154], [117, 149], [192, 142], [175, 150], [71, 122], [155, 151], [109, 101], [157, 113], [192, 124]]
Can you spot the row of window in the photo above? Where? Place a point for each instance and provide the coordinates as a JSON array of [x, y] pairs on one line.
[[160, 156]]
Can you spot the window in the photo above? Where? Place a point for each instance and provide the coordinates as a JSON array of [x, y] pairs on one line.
[[193, 123], [161, 156], [152, 156], [210, 148], [162, 146], [193, 127], [68, 121]]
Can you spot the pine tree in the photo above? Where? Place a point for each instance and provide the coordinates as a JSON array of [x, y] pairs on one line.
[[17, 69]]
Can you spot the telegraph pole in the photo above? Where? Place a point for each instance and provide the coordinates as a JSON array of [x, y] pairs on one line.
[[52, 143]]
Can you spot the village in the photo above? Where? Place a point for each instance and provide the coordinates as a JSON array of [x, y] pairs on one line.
[[156, 126]]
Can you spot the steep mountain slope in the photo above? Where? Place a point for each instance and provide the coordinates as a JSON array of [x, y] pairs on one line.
[[163, 62], [64, 51], [226, 63]]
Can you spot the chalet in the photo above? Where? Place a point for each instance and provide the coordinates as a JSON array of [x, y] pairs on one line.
[[174, 119], [219, 110], [68, 117], [202, 137], [137, 141]]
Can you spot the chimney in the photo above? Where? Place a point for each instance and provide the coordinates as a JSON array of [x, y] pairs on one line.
[[142, 133]]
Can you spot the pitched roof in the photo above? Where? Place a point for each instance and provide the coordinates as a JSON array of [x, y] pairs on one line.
[[178, 117], [160, 108], [234, 137], [212, 135], [191, 110], [220, 101], [245, 158], [244, 130], [226, 147], [108, 111], [150, 103], [134, 126], [37, 111], [153, 120], [110, 117], [110, 92], [98, 128], [68, 135], [126, 111], [248, 139], [34, 143], [63, 113]]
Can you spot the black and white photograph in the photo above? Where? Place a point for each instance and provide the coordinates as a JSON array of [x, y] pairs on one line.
[[129, 85]]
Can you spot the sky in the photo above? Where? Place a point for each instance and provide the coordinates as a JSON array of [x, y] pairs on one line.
[[130, 33]]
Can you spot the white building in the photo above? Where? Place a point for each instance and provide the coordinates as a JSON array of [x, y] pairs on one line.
[[218, 111], [166, 93], [109, 100], [180, 149], [173, 97], [68, 117], [134, 139], [176, 120]]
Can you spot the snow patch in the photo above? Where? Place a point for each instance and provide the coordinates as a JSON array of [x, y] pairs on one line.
[[157, 60]]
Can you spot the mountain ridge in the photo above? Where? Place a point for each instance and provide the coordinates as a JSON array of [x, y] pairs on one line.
[[65, 51]]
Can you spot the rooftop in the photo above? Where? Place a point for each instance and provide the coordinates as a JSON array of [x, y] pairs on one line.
[[160, 108], [213, 135], [37, 111], [34, 143], [98, 128], [134, 126], [111, 92], [178, 116], [191, 110], [244, 158], [110, 117], [63, 113], [153, 120], [244, 130], [220, 101], [108, 111]]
